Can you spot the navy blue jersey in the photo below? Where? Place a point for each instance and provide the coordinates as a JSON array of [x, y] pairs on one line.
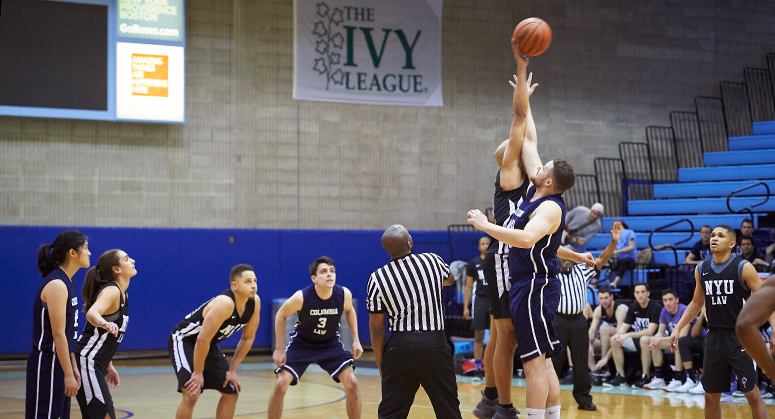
[[505, 204], [42, 339], [318, 320], [96, 345], [188, 329], [541, 258]]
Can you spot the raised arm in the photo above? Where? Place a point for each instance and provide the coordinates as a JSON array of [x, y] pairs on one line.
[[546, 218], [616, 230], [512, 174], [352, 323]]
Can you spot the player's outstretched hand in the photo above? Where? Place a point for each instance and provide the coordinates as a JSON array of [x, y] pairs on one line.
[[357, 350], [195, 383], [111, 327], [231, 377], [616, 230], [530, 88], [477, 219], [112, 376], [673, 346], [279, 357]]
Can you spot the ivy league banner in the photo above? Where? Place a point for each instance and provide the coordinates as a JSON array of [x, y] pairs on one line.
[[382, 52]]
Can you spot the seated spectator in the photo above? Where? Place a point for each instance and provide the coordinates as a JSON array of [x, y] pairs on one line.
[[750, 252], [606, 317], [701, 249], [581, 224], [643, 319], [746, 229], [668, 319], [689, 345], [625, 254]]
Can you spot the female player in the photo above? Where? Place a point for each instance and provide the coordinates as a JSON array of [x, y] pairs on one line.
[[50, 384], [107, 315]]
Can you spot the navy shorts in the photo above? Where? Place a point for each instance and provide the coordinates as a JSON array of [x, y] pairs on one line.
[[532, 303], [45, 387], [496, 272], [332, 358], [181, 353]]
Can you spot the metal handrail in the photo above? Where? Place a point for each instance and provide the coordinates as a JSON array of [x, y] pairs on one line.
[[675, 253], [748, 209]]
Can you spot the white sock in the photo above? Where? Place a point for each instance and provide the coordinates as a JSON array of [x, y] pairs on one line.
[[553, 412], [535, 413]]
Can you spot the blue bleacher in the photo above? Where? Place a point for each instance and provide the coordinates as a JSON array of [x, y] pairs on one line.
[[698, 205], [601, 240], [733, 158], [648, 223], [754, 142], [710, 189], [720, 173], [764, 128]]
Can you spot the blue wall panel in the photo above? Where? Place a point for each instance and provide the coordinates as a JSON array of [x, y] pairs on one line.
[[179, 269]]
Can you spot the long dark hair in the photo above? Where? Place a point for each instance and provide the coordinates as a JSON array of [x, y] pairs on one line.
[[54, 254], [99, 275]]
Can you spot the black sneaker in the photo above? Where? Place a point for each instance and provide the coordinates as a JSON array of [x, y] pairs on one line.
[[617, 381], [645, 379]]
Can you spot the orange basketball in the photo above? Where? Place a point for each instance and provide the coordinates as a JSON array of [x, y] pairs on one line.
[[533, 35]]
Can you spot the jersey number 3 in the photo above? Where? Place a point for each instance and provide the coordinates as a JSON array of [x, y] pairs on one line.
[[321, 325]]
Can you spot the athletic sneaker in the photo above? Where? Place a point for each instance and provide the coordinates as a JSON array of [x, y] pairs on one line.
[[732, 389], [642, 382], [478, 376], [674, 384], [685, 387], [486, 408], [738, 393], [617, 381], [655, 384], [698, 389], [501, 413], [765, 393]]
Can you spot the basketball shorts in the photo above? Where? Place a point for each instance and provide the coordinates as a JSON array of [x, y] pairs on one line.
[[45, 387], [332, 358], [94, 395], [496, 273], [723, 352], [533, 302], [481, 310], [632, 344], [181, 353]]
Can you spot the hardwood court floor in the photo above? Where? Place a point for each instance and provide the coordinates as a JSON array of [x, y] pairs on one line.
[[148, 391]]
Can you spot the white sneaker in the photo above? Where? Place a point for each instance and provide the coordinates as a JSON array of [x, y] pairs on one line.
[[738, 393], [685, 387], [674, 384], [654, 384], [698, 389]]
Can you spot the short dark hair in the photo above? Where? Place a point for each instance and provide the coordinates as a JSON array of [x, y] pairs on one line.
[[313, 268], [670, 291], [746, 237], [635, 285], [705, 225], [237, 271], [730, 231], [746, 221], [563, 176], [604, 289]]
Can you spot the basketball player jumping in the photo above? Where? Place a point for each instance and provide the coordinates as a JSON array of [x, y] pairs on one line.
[[724, 282]]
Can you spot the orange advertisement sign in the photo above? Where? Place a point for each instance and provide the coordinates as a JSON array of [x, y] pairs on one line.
[[150, 75]]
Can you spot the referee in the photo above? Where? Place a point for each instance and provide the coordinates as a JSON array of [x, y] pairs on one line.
[[408, 290], [570, 323]]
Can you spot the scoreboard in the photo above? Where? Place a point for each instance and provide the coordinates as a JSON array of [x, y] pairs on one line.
[[116, 60]]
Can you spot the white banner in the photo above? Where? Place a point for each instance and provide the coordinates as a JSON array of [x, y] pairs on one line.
[[382, 52]]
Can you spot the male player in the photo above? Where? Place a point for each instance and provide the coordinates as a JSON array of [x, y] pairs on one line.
[[533, 265], [724, 282], [315, 338], [193, 344]]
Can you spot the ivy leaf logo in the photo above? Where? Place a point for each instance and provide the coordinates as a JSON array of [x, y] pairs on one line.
[[328, 37]]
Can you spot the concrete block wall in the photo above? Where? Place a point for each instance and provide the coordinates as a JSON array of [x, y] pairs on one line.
[[249, 156]]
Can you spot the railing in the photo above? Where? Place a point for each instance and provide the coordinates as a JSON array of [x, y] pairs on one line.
[[675, 253], [748, 209]]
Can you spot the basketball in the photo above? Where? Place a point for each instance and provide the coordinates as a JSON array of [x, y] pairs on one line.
[[533, 35]]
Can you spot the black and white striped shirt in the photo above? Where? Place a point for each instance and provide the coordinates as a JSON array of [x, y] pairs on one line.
[[409, 291], [574, 289]]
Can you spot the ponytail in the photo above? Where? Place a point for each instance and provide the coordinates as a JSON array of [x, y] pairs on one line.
[[99, 275], [50, 256]]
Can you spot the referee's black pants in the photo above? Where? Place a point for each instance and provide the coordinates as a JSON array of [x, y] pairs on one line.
[[414, 359], [573, 332]]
